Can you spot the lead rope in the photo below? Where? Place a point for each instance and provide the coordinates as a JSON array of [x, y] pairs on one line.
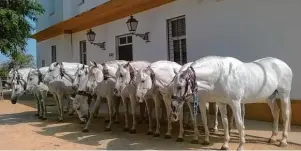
[[195, 102]]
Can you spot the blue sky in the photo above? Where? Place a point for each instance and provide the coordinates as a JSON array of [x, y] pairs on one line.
[[30, 48]]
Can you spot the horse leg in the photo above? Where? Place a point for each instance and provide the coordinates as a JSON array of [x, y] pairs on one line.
[[37, 105], [275, 112], [117, 101], [203, 109], [125, 106], [195, 125], [94, 110], [157, 108], [57, 104], [70, 106], [286, 113], [44, 98], [230, 117], [167, 102], [148, 104], [223, 110], [133, 111], [181, 129], [110, 108], [236, 109], [60, 99], [215, 128]]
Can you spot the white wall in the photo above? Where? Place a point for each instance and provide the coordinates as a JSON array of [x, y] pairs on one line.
[[245, 29], [64, 10]]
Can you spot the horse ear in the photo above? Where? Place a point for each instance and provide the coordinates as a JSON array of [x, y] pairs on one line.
[[126, 65], [56, 64], [95, 64], [91, 63]]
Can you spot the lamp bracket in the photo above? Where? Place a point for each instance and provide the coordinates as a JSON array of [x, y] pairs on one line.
[[144, 36], [100, 45]]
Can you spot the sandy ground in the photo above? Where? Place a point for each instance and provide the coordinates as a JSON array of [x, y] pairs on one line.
[[20, 129]]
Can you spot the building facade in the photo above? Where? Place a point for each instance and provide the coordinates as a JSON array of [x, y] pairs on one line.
[[179, 30]]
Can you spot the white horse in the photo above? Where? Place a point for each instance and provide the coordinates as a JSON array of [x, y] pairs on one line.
[[82, 100], [101, 82], [126, 88], [153, 80], [226, 80], [59, 79], [177, 112], [39, 89]]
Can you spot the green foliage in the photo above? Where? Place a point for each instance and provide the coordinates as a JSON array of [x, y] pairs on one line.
[[20, 61], [14, 27]]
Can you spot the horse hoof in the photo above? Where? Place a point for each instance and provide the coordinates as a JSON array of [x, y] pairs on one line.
[[272, 141], [205, 143], [85, 130], [107, 129], [167, 137], [156, 135], [179, 139], [36, 114], [214, 130], [283, 144], [194, 141], [225, 148], [107, 121], [70, 114], [60, 120], [82, 122], [43, 118], [126, 129], [149, 133], [116, 122], [133, 131]]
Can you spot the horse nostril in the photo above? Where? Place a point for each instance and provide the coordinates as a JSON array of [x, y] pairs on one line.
[[173, 108], [78, 108], [179, 87]]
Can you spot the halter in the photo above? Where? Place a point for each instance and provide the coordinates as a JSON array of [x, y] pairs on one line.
[[19, 79], [63, 73], [190, 81]]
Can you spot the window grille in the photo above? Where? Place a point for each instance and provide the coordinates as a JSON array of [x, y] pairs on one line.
[[53, 53], [176, 30]]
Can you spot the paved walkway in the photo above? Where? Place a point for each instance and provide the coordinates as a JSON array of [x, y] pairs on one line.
[[19, 129]]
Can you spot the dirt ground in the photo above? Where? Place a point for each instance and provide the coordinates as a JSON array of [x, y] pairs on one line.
[[20, 129]]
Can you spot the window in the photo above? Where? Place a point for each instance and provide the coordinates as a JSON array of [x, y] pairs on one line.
[[176, 34], [53, 53], [80, 2], [43, 63], [51, 7], [83, 52]]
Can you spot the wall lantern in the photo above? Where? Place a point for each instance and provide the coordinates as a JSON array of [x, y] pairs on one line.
[[91, 37], [132, 24]]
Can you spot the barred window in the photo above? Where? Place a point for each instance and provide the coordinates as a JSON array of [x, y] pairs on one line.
[[53, 53], [83, 52], [43, 63], [176, 30]]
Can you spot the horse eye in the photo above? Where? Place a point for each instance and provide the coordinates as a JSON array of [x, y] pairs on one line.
[[16, 89], [79, 75], [179, 87], [30, 79], [121, 75], [142, 81]]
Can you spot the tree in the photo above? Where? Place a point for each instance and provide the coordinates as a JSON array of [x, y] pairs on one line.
[[14, 26], [22, 60]]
